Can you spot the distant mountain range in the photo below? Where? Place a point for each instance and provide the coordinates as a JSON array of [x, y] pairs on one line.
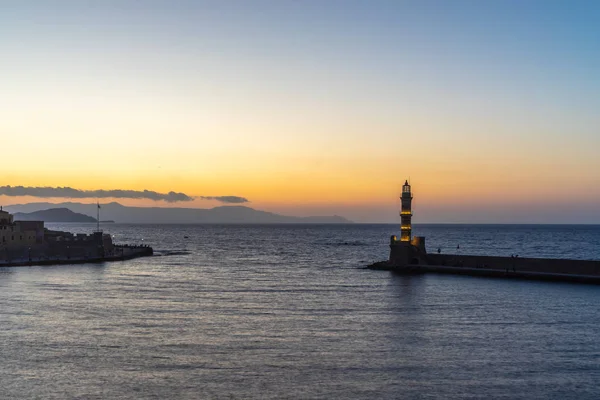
[[53, 215], [218, 215]]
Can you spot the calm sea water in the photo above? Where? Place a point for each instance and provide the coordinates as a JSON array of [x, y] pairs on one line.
[[271, 312]]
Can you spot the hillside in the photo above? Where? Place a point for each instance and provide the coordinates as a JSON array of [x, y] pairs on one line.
[[157, 215], [61, 214]]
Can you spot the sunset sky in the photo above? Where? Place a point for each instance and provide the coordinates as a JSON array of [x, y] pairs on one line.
[[323, 107]]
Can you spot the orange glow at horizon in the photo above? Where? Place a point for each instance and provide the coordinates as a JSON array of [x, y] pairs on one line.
[[320, 180]]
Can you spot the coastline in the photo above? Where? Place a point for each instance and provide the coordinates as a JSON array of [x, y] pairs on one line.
[[126, 253]]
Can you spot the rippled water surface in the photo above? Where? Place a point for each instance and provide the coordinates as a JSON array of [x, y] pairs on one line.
[[274, 312]]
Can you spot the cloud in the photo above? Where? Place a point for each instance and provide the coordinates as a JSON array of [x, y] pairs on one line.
[[226, 199], [70, 193], [67, 192]]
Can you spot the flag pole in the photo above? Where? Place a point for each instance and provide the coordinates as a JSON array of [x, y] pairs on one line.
[[98, 218]]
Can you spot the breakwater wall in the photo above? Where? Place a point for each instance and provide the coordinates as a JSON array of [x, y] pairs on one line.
[[120, 253], [514, 264], [560, 270]]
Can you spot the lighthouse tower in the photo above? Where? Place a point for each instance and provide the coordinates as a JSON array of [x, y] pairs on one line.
[[407, 251], [406, 214]]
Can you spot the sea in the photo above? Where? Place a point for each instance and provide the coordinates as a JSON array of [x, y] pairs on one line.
[[290, 312]]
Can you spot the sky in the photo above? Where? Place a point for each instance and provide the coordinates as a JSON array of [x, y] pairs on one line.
[[309, 107]]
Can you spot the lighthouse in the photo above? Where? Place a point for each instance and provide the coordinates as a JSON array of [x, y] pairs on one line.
[[406, 213], [408, 250]]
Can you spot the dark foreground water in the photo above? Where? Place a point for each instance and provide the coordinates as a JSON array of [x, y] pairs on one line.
[[275, 312]]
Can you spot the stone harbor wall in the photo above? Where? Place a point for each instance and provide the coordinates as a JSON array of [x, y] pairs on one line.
[[517, 264], [409, 259], [76, 256]]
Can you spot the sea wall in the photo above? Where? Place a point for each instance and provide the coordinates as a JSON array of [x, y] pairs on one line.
[[562, 270], [517, 264], [121, 252], [23, 252], [55, 250]]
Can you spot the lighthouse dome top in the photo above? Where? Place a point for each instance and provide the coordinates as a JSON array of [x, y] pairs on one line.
[[406, 187]]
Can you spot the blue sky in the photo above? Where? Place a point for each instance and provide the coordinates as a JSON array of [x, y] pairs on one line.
[[306, 107]]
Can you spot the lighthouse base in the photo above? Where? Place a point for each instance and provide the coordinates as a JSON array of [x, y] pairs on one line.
[[407, 253]]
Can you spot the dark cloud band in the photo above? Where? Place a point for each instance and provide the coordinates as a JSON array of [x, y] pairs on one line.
[[226, 199], [68, 192]]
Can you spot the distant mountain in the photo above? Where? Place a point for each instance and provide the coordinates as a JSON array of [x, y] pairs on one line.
[[157, 215], [53, 215]]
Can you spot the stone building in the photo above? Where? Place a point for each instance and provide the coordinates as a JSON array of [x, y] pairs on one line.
[[15, 234], [29, 240]]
